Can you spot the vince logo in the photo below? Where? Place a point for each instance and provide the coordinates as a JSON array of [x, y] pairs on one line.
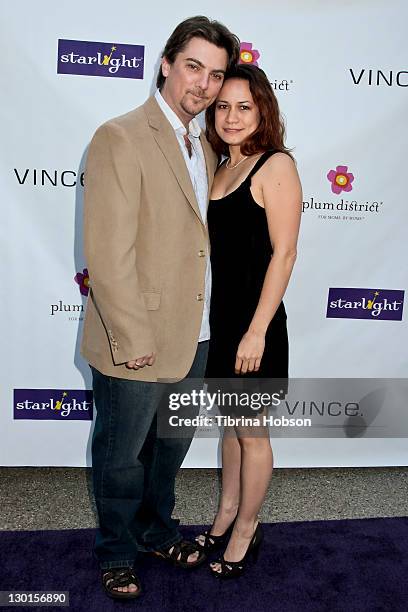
[[369, 76], [351, 303], [100, 59], [39, 177], [53, 404]]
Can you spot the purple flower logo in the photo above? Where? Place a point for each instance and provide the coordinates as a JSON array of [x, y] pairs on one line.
[[340, 179], [248, 55], [83, 281]]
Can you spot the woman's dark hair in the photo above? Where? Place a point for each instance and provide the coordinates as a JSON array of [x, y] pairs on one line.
[[270, 133], [199, 27]]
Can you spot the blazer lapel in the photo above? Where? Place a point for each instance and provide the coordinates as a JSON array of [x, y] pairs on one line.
[[167, 141], [210, 160]]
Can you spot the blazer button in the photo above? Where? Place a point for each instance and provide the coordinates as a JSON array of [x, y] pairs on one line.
[[201, 253], [200, 297]]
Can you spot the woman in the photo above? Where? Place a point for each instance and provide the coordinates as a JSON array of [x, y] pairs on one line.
[[253, 220]]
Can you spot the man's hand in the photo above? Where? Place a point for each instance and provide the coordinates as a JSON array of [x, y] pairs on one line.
[[140, 362]]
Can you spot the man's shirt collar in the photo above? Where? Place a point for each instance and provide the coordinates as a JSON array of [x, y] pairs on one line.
[[175, 122]]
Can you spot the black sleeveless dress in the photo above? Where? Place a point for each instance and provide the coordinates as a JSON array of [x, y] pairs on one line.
[[240, 254]]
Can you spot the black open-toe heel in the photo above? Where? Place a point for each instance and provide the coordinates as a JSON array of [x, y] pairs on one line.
[[212, 542], [234, 569]]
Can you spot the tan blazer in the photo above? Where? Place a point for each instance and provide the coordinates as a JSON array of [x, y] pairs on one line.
[[145, 247]]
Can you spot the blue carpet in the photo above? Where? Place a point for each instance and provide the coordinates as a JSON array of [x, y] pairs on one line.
[[331, 566]]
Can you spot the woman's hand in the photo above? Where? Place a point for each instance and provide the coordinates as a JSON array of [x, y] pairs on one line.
[[250, 351]]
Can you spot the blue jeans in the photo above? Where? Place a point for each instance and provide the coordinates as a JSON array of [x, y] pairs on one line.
[[134, 471]]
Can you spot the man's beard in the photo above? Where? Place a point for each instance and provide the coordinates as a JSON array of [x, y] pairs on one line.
[[194, 109]]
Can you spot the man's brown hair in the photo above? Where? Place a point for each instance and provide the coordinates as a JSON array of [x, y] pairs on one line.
[[199, 27]]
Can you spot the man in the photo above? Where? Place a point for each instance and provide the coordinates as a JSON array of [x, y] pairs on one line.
[[147, 181]]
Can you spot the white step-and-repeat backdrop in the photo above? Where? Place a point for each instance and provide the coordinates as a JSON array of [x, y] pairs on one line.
[[340, 73]]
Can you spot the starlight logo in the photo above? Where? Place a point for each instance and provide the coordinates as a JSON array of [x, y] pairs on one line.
[[350, 303], [100, 59], [53, 404]]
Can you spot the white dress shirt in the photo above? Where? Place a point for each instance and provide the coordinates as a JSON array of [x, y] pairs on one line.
[[198, 174]]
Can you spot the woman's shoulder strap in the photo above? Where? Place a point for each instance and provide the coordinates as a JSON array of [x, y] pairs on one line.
[[264, 157]]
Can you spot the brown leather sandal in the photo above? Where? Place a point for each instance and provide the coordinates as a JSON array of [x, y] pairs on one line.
[[120, 577], [183, 550]]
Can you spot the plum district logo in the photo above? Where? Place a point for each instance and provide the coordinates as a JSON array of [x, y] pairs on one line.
[[340, 179], [82, 279], [351, 303], [347, 208], [100, 59], [53, 404], [248, 55], [74, 311]]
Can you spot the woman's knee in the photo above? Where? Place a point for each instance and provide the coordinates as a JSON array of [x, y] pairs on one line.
[[253, 443]]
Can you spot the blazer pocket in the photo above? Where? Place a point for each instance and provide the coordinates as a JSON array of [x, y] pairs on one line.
[[152, 299]]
